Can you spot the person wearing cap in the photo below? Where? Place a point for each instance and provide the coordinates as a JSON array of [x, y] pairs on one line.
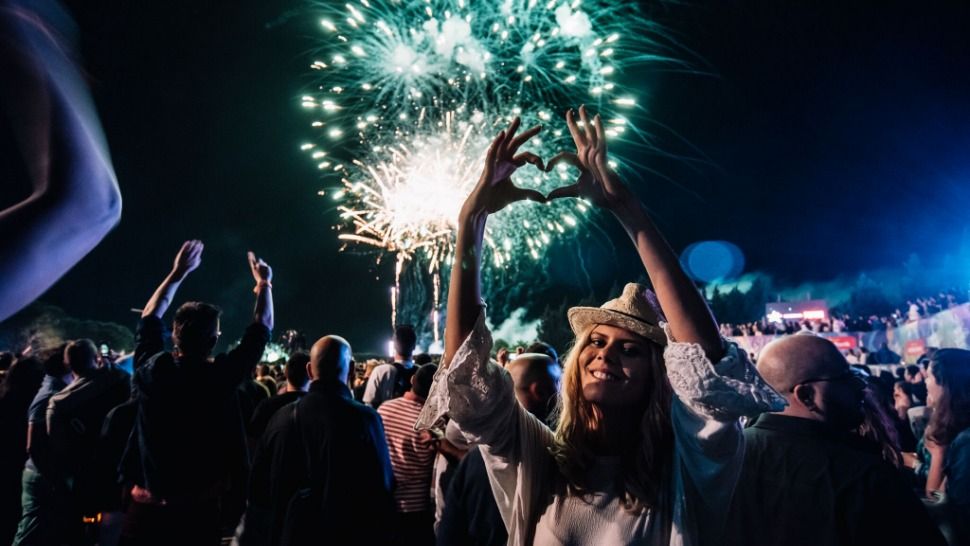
[[648, 446]]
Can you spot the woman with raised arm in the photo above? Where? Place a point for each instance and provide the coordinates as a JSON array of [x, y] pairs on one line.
[[649, 445]]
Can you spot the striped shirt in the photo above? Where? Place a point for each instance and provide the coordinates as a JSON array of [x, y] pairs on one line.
[[412, 453]]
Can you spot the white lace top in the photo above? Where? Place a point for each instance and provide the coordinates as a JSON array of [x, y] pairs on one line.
[[709, 399]]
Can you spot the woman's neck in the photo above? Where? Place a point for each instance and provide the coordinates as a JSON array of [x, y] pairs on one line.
[[617, 430]]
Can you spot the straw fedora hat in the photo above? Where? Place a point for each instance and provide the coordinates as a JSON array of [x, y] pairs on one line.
[[632, 311]]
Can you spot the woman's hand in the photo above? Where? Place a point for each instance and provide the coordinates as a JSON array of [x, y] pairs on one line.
[[597, 182], [495, 189]]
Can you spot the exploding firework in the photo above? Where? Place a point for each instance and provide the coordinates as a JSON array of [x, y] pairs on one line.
[[410, 93]]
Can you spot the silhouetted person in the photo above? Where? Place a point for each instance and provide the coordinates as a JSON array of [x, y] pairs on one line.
[[188, 444], [389, 381], [806, 479], [329, 451], [297, 372], [412, 458], [40, 518], [20, 384], [75, 418]]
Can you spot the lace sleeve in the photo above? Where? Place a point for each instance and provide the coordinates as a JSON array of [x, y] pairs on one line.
[[474, 391], [709, 399], [724, 391]]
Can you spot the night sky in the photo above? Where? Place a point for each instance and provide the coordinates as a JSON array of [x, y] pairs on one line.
[[834, 138]]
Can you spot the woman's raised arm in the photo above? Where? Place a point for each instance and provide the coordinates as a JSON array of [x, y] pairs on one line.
[[687, 313], [494, 192]]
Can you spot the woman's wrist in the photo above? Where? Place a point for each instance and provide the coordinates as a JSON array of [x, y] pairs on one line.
[[471, 216], [631, 215]]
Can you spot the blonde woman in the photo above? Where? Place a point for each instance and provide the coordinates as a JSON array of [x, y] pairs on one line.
[[649, 445]]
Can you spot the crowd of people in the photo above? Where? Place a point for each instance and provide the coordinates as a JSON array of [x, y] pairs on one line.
[[838, 323], [652, 429]]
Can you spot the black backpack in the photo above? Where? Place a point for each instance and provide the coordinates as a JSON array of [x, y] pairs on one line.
[[402, 379]]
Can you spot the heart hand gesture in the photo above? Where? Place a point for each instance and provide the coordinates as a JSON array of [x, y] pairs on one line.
[[597, 182], [495, 189]]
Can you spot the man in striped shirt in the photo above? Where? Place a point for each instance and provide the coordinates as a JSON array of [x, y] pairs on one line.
[[412, 459]]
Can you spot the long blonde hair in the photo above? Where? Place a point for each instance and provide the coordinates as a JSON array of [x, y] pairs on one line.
[[646, 463]]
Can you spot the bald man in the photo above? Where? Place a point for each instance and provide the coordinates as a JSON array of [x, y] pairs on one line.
[[807, 478], [330, 446], [536, 377]]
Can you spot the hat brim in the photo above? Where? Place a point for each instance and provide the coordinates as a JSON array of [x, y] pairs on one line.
[[581, 318]]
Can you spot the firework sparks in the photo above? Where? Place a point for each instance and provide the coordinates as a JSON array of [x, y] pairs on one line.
[[410, 93]]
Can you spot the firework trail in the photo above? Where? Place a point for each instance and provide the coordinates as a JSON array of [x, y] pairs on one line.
[[410, 93]]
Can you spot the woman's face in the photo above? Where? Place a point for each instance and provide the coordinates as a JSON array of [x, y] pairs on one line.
[[616, 366], [900, 398], [933, 389]]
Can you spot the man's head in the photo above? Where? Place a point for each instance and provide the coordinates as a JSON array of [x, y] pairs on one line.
[[195, 329], [537, 379], [815, 378], [544, 348], [422, 359], [404, 342], [914, 374], [81, 356], [422, 379], [54, 363], [330, 359], [297, 372]]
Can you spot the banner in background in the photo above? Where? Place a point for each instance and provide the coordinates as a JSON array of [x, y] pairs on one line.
[[946, 329]]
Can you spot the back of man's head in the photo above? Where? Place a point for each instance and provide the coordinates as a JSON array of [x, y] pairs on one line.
[[815, 379], [54, 363], [405, 340], [330, 359], [195, 329], [544, 348], [296, 372], [536, 378], [81, 356], [422, 379], [422, 359]]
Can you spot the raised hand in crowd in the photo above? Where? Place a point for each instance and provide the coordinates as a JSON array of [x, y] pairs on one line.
[[263, 275], [187, 260]]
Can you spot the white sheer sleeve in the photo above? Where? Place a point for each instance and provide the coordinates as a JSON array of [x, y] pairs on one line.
[[478, 395], [709, 399], [474, 391]]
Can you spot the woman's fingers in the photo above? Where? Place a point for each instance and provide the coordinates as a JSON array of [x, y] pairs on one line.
[[571, 190], [600, 133], [578, 138], [509, 137], [603, 171], [591, 139], [521, 139], [528, 157]]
